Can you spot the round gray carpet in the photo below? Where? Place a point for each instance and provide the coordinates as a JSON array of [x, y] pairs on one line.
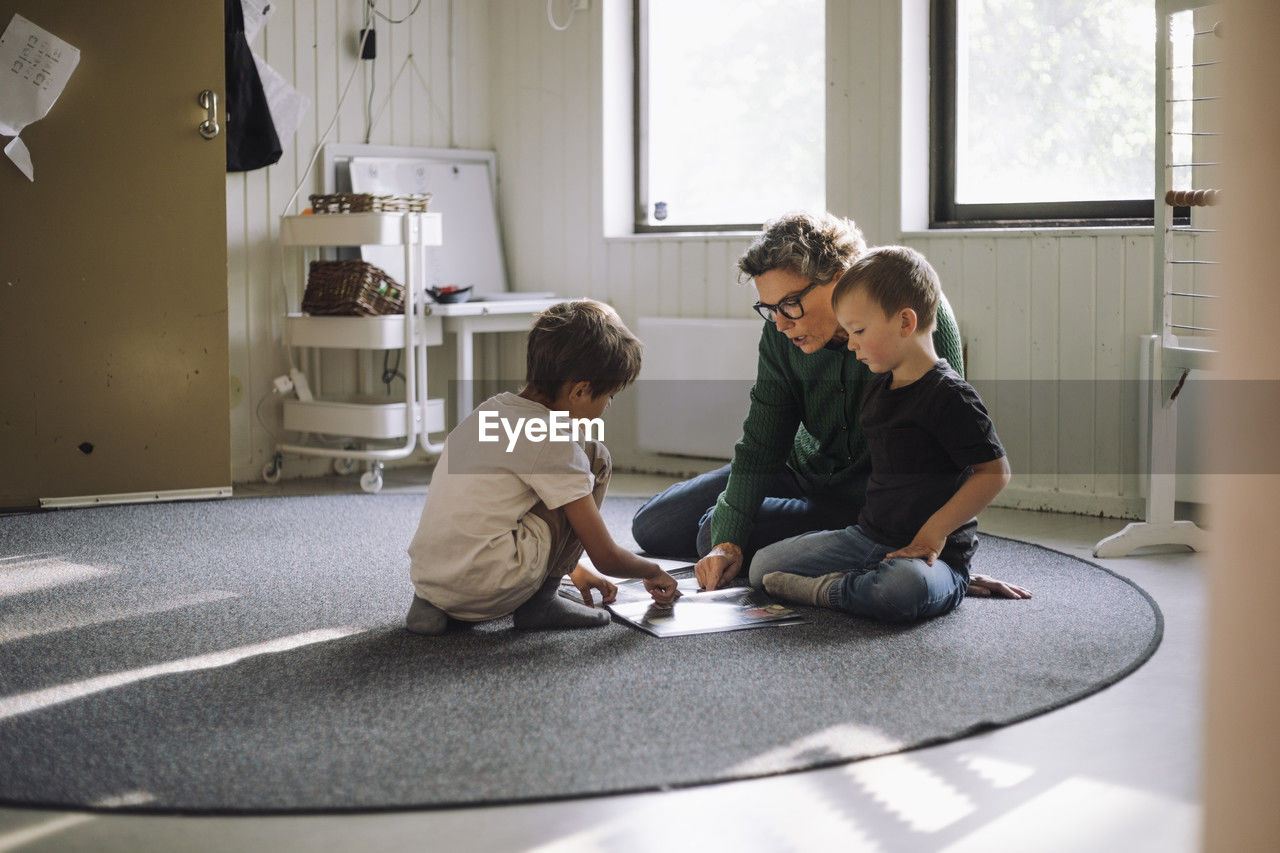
[[248, 656]]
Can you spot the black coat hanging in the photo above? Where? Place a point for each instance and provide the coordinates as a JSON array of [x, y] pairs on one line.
[[251, 134]]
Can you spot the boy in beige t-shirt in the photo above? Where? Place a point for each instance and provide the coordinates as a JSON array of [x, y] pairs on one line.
[[515, 497]]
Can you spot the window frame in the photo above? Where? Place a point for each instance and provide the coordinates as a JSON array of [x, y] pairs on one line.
[[640, 139], [945, 212]]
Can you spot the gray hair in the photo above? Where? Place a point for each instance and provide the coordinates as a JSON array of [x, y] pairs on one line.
[[817, 246]]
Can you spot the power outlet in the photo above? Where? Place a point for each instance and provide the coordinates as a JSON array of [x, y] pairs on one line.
[[300, 385], [368, 44]]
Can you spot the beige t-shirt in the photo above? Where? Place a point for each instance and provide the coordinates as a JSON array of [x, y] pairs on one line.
[[478, 553]]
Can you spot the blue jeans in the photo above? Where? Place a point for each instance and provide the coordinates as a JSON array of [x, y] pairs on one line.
[[676, 523], [897, 590]]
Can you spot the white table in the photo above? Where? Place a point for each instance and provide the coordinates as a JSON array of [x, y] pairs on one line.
[[467, 319]]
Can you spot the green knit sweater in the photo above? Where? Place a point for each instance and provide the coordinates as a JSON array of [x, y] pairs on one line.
[[805, 413]]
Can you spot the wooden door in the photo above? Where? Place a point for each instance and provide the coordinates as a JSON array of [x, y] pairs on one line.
[[113, 291]]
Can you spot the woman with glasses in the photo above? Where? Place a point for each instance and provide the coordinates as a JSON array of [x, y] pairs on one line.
[[801, 463]]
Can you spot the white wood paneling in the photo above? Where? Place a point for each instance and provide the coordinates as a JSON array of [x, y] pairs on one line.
[[979, 258], [670, 282], [1051, 323], [1108, 373], [1011, 403], [1138, 319], [646, 275], [1043, 359], [839, 38], [1077, 278]]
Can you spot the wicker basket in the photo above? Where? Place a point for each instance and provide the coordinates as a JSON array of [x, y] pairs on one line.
[[368, 203], [351, 288]]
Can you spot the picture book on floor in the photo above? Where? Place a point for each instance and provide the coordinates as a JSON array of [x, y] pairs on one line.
[[733, 608]]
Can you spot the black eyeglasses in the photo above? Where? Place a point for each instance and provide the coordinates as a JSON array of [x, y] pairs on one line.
[[791, 307]]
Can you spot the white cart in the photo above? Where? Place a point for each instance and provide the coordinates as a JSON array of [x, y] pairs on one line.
[[364, 426]]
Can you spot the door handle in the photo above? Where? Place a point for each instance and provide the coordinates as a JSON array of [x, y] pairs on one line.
[[209, 128]]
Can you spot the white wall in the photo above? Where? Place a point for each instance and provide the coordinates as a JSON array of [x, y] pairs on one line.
[[1051, 326], [1044, 305]]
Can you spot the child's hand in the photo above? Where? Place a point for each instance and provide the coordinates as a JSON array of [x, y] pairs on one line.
[[921, 548], [988, 587], [662, 587], [586, 580]]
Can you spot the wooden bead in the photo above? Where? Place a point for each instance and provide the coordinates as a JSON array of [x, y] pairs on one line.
[[1192, 198]]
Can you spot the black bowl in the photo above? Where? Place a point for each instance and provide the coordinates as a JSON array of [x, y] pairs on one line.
[[448, 297]]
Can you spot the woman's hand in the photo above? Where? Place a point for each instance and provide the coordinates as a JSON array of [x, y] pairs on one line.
[[986, 587], [720, 566], [586, 580]]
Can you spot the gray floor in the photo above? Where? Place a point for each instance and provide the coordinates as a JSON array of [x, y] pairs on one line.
[[1117, 771]]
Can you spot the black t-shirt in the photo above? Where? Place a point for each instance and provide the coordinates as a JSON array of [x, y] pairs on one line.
[[923, 438]]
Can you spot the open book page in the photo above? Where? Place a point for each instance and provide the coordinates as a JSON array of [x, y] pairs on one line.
[[695, 611]]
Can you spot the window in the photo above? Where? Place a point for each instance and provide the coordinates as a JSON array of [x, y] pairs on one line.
[[730, 112], [1043, 111]]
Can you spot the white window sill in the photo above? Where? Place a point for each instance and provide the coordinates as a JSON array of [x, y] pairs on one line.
[[658, 236], [1034, 231]]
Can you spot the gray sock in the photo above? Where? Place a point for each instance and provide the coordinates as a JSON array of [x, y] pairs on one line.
[[425, 618], [801, 589], [548, 609]]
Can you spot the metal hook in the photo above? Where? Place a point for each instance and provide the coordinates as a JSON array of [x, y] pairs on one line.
[[209, 128]]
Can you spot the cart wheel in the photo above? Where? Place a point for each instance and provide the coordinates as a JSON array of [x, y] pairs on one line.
[[272, 469], [371, 481], [345, 466]]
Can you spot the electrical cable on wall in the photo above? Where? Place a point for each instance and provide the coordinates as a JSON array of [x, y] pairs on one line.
[[410, 62], [258, 412], [390, 372], [373, 71], [370, 11], [370, 8], [324, 137], [284, 294], [551, 18], [412, 12]]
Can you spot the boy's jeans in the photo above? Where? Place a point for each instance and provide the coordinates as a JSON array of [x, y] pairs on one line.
[[897, 590], [676, 523]]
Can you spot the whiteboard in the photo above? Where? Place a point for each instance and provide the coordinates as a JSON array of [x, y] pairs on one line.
[[463, 187]]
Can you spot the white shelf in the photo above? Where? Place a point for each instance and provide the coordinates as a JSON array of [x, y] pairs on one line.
[[1182, 357], [414, 416], [377, 333], [360, 418], [359, 229], [496, 307]]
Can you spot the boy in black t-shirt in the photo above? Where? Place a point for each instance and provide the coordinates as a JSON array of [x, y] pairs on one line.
[[935, 461]]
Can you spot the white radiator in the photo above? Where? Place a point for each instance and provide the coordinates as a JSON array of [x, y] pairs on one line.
[[695, 384]]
